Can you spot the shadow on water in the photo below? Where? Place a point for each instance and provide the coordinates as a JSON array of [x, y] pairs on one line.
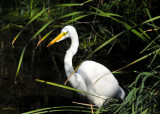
[[27, 94]]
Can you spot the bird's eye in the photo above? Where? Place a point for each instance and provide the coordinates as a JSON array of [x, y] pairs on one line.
[[65, 33]]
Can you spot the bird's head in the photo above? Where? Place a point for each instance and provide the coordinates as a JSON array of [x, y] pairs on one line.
[[65, 33]]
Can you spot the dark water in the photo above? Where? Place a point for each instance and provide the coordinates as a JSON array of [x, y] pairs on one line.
[[27, 94]]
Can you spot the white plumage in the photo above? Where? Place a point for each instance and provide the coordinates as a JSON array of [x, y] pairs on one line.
[[91, 77]]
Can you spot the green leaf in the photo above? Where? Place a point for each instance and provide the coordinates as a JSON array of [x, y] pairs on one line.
[[106, 42], [75, 19], [109, 15], [145, 111], [150, 20], [130, 28], [16, 37], [65, 87], [40, 30], [73, 4], [36, 16], [70, 14], [133, 109], [20, 62], [68, 5], [43, 38], [100, 11], [150, 44], [60, 109], [138, 60], [86, 2]]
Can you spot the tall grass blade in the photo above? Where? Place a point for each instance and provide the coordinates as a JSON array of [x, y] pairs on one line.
[[31, 4], [107, 42], [65, 83], [148, 12], [73, 4], [100, 11], [150, 20], [154, 57], [104, 14], [58, 109], [150, 44], [75, 19], [130, 28], [128, 99], [35, 17], [140, 59], [65, 87], [143, 33], [21, 58], [110, 15], [68, 5], [44, 38], [86, 2], [40, 30], [52, 110], [20, 62], [133, 109], [70, 14], [16, 37], [145, 111]]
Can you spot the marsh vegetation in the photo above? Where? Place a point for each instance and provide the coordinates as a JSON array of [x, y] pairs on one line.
[[123, 35]]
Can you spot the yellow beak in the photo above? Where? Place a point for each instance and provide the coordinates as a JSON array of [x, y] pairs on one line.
[[57, 38]]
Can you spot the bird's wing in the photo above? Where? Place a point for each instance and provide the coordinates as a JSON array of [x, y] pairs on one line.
[[98, 78]]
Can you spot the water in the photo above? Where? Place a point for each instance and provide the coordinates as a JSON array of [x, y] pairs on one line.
[[42, 63]]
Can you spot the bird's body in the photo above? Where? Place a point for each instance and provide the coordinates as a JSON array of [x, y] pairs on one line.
[[100, 82], [91, 77]]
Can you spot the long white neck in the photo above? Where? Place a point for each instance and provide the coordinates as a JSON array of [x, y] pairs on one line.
[[68, 58]]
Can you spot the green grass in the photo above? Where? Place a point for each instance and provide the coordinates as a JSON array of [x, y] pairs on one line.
[[101, 28]]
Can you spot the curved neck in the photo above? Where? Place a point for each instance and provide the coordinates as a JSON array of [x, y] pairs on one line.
[[68, 58]]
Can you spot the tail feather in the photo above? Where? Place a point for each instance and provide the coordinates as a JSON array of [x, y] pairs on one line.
[[122, 94]]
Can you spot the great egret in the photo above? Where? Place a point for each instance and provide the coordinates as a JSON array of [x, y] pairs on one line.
[[91, 77]]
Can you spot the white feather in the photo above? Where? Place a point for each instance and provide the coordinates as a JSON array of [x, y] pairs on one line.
[[91, 77]]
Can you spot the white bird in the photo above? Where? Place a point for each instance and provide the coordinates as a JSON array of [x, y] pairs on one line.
[[91, 77]]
